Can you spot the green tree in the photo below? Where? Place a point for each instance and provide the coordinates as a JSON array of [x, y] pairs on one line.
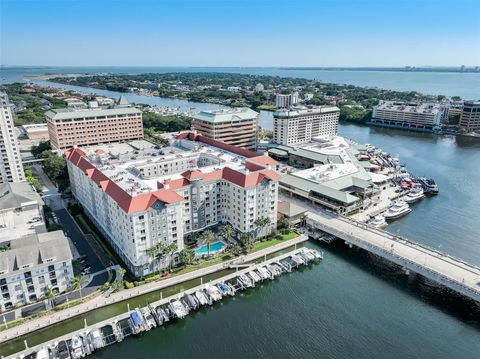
[[187, 256], [54, 166], [247, 241], [208, 237], [49, 295], [261, 223], [40, 148], [76, 283], [228, 232], [303, 219]]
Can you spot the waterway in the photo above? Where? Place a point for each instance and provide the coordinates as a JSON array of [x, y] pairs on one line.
[[351, 305], [465, 85]]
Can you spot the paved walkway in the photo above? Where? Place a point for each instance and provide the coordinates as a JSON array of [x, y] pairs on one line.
[[101, 301]]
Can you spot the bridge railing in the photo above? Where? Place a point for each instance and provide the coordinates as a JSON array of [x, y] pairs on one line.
[[424, 268], [406, 241]]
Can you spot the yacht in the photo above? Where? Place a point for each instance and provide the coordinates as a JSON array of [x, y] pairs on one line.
[[137, 322], [264, 273], [149, 320], [76, 348], [225, 289], [213, 292], [316, 253], [378, 222], [202, 298], [296, 260], [274, 270], [255, 277], [414, 195], [177, 308], [309, 254], [62, 350], [429, 185], [162, 315], [191, 301], [96, 339], [42, 353], [246, 281], [397, 210]]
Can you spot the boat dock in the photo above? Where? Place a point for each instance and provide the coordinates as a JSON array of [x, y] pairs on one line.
[[137, 320], [441, 268]]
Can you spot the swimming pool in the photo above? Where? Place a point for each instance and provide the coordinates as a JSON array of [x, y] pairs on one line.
[[214, 248]]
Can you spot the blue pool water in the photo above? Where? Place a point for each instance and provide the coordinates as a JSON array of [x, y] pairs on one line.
[[214, 247]]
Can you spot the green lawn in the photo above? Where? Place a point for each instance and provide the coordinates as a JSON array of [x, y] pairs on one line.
[[262, 245]]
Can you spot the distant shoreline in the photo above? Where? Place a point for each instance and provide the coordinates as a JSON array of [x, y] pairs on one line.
[[469, 70]]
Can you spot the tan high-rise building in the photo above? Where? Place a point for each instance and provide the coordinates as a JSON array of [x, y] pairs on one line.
[[470, 118], [234, 126], [79, 127], [11, 168]]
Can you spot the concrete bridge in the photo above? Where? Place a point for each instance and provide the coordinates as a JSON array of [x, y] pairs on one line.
[[453, 273]]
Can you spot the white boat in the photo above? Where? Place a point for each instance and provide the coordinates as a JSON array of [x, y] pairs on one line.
[[213, 292], [264, 273], [414, 195], [274, 270], [76, 348], [378, 222], [96, 339], [255, 277], [309, 255], [149, 320], [245, 280], [397, 210], [202, 298], [315, 253], [43, 353], [296, 259], [177, 308]]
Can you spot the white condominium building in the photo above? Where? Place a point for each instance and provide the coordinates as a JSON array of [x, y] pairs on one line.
[[300, 125], [11, 169], [408, 115], [140, 196], [286, 101], [30, 265]]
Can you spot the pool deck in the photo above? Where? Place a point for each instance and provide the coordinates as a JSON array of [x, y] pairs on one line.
[[212, 251], [101, 301]]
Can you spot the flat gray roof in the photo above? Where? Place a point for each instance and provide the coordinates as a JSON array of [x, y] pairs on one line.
[[226, 115], [68, 113], [16, 194]]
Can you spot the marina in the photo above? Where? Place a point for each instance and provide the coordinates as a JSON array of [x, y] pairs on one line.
[[92, 338]]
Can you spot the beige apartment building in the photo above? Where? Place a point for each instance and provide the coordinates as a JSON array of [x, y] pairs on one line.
[[234, 126], [408, 115], [470, 118], [80, 127], [301, 124]]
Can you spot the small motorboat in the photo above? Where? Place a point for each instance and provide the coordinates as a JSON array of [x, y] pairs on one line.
[[378, 222], [397, 210]]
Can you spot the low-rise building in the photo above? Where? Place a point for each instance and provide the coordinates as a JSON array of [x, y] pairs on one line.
[[80, 127], [21, 211], [333, 177], [470, 117], [30, 265], [37, 131], [140, 196], [301, 124], [415, 116], [234, 126]]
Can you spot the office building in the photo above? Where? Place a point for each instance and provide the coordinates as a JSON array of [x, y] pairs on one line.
[[470, 117], [301, 124], [11, 168], [71, 127], [234, 126], [30, 265], [414, 116], [140, 196]]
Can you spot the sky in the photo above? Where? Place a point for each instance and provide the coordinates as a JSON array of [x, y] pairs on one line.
[[240, 33]]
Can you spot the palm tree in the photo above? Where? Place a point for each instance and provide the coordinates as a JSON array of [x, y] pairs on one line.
[[247, 241], [157, 252], [121, 271], [76, 283], [49, 295], [208, 237], [261, 222], [303, 219], [228, 232], [187, 256]]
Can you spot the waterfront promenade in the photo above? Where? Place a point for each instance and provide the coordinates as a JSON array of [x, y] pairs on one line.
[[102, 301], [439, 267]]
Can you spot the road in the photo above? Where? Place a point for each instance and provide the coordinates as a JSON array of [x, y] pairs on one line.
[[53, 199]]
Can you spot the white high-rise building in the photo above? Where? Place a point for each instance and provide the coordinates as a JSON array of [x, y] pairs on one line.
[[286, 101], [11, 168], [300, 125]]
